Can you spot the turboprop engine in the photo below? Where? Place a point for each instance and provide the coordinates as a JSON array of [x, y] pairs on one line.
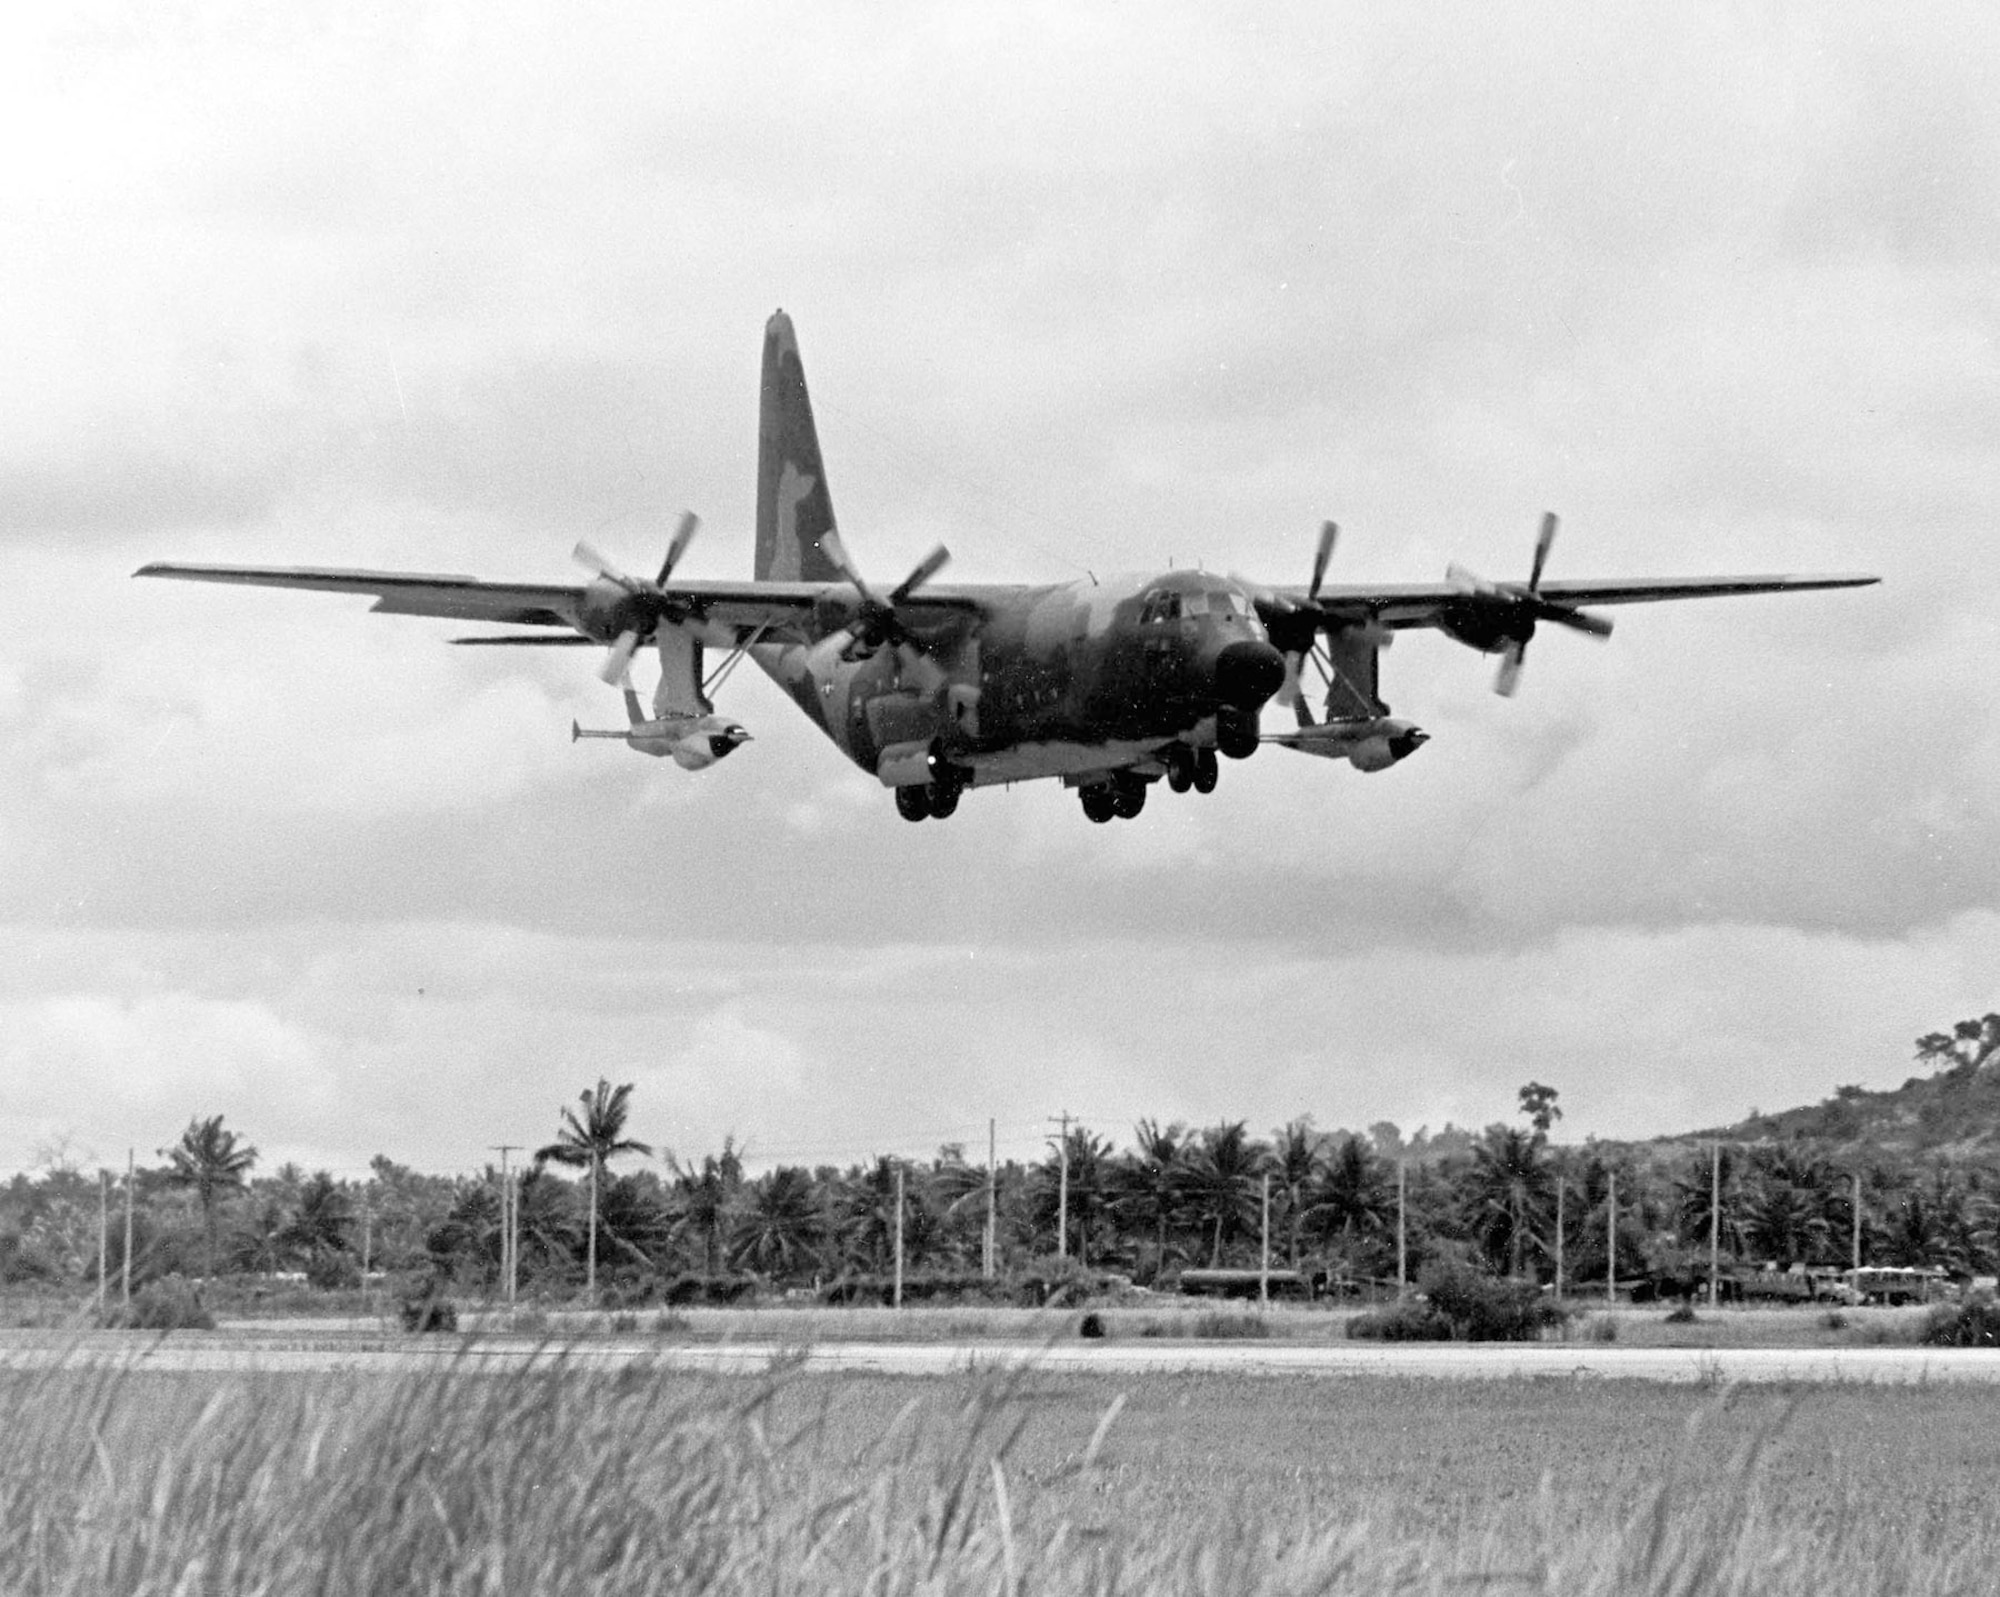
[[694, 743], [1371, 744]]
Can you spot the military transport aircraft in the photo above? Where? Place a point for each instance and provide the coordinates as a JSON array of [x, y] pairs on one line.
[[932, 688]]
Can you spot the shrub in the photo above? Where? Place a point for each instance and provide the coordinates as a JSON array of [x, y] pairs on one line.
[[1091, 1327], [1230, 1327], [425, 1308], [1482, 1309], [1411, 1321], [1833, 1320], [1602, 1328], [1973, 1323], [1683, 1314], [171, 1304]]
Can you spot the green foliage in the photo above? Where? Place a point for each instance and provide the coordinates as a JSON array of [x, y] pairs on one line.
[[171, 1304], [1412, 1320], [1973, 1323], [1458, 1304], [423, 1308], [1219, 1327]]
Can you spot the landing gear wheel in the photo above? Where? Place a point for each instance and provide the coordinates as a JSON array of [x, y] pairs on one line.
[[1180, 767], [913, 803], [1099, 802], [1128, 799], [1236, 733], [943, 798], [1206, 772]]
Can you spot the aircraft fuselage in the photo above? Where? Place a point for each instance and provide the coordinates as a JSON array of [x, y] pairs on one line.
[[1061, 680]]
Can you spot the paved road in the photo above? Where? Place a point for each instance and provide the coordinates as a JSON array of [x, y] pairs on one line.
[[275, 1350]]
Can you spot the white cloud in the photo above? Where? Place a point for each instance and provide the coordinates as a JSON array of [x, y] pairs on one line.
[[448, 291]]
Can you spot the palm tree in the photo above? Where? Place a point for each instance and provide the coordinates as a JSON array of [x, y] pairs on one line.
[[320, 1221], [211, 1161], [590, 1140], [1353, 1200], [1148, 1181], [703, 1196], [1088, 1188], [783, 1228], [1785, 1221], [1220, 1181], [1506, 1191], [1297, 1155]]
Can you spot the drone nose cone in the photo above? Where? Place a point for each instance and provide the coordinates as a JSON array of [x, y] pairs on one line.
[[1247, 673]]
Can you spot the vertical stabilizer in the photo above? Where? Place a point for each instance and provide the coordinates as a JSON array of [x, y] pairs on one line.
[[794, 508]]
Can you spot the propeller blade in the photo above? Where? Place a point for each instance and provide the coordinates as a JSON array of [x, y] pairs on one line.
[[1583, 621], [824, 655], [1546, 537], [1509, 676], [836, 551], [1328, 532], [926, 568], [587, 557], [618, 664], [683, 536]]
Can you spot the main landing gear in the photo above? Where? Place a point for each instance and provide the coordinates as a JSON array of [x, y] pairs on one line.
[[1123, 796], [1189, 767], [928, 800]]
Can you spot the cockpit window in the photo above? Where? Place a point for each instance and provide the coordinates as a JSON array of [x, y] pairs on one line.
[[1196, 605]]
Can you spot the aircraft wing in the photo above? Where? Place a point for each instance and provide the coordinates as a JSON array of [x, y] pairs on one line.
[[779, 611], [408, 593], [1422, 604]]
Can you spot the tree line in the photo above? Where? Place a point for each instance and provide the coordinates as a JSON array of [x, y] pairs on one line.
[[594, 1207]]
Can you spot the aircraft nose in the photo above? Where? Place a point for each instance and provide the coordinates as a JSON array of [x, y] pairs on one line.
[[1247, 673]]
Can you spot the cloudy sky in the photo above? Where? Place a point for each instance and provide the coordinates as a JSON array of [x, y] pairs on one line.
[[445, 287]]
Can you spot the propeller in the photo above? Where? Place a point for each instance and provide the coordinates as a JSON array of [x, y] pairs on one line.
[[1293, 691], [877, 623], [619, 661], [1518, 607]]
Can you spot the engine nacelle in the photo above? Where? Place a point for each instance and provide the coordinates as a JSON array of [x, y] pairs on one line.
[[1372, 744]]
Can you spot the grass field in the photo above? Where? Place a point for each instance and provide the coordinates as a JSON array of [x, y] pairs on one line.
[[1175, 1319], [115, 1482]]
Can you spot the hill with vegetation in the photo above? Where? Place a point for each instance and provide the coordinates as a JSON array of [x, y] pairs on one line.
[[1951, 1115]]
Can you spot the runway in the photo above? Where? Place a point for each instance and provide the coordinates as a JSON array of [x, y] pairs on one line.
[[274, 1351]]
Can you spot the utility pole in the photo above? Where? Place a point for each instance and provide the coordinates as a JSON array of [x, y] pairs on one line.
[[1402, 1233], [992, 1147], [1062, 1190], [1857, 1232], [1611, 1240], [1715, 1226], [367, 1249], [898, 1300], [509, 1242], [1562, 1186], [103, 1237], [1264, 1264], [131, 1169]]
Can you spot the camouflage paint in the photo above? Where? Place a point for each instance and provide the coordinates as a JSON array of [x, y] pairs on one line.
[[1059, 680]]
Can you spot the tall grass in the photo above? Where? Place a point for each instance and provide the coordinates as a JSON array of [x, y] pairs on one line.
[[567, 1481]]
